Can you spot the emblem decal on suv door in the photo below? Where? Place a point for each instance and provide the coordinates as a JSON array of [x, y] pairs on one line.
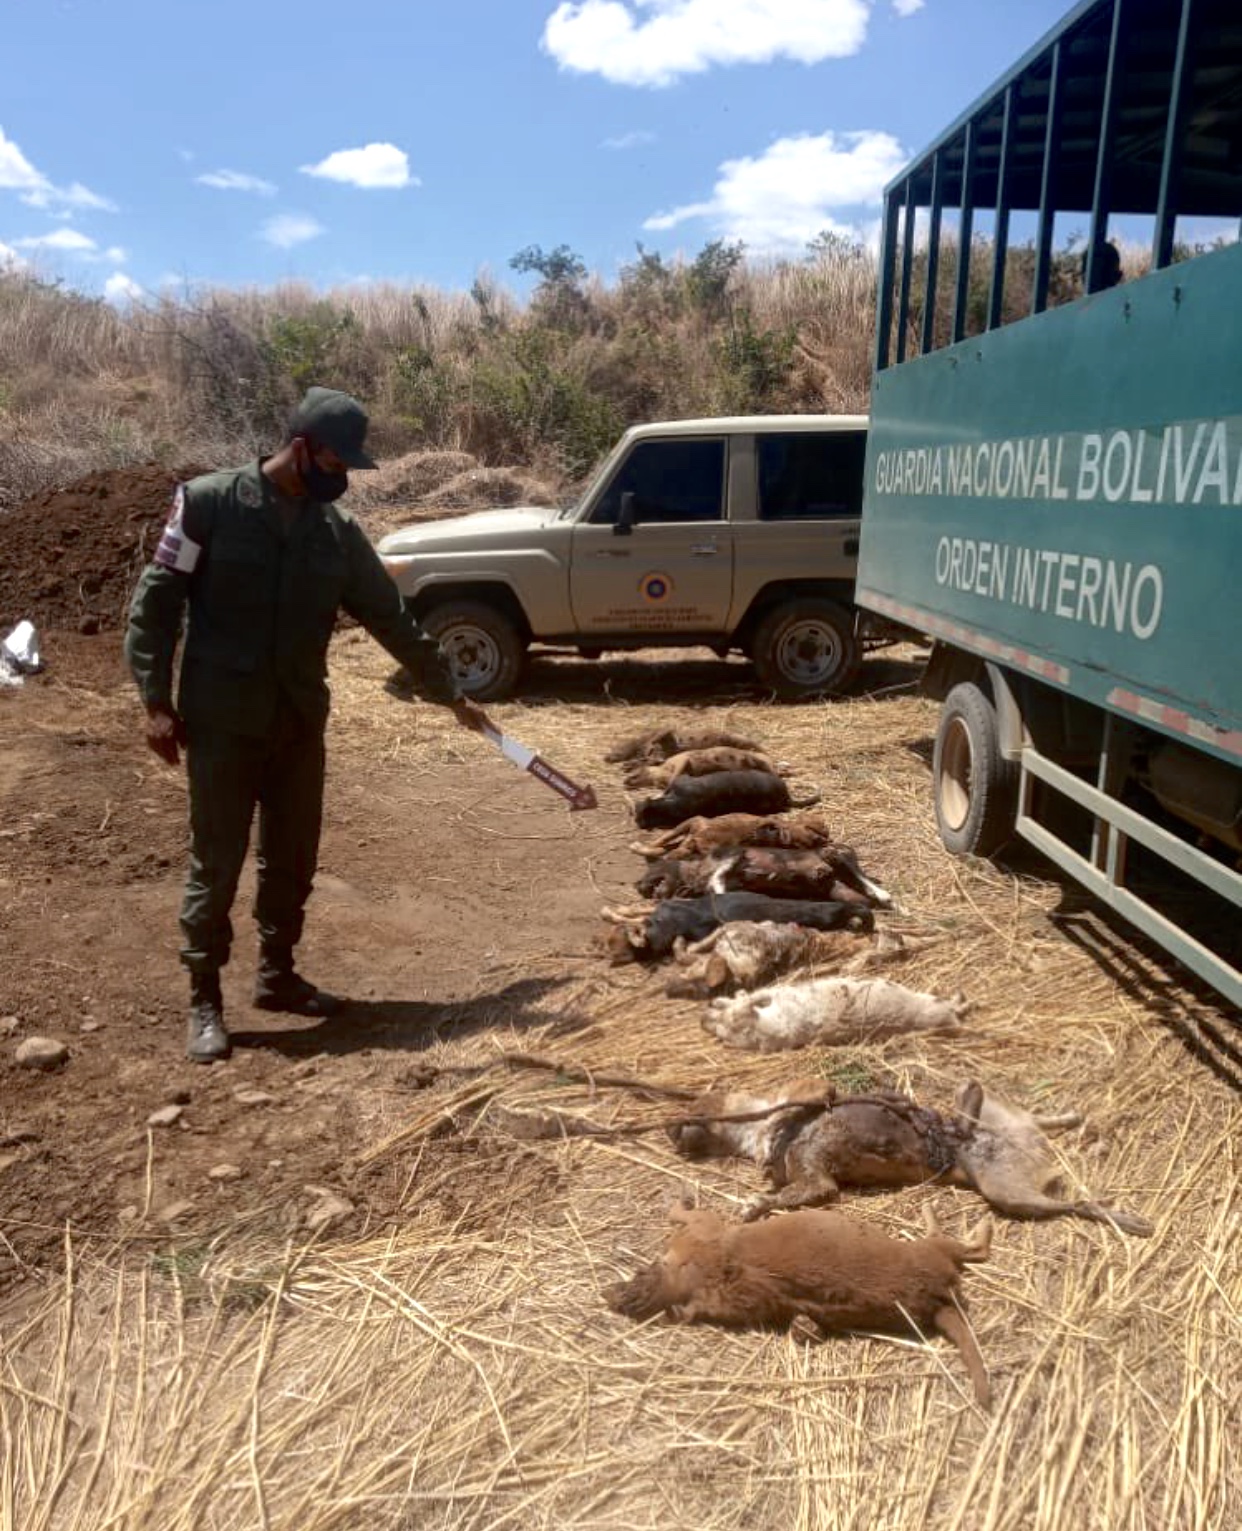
[[655, 588]]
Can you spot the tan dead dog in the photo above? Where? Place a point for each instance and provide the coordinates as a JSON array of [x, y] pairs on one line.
[[659, 743], [818, 1269], [699, 763]]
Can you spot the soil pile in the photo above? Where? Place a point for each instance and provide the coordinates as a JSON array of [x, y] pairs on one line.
[[70, 557]]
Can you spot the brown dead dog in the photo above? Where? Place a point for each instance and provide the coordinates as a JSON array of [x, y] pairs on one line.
[[721, 792], [660, 743], [650, 935], [786, 873], [701, 836], [882, 1140], [699, 763], [821, 1268], [828, 1011], [828, 873]]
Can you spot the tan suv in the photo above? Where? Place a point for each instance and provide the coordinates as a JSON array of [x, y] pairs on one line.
[[737, 533]]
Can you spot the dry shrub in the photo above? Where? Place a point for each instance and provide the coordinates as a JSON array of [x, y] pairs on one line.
[[406, 480], [479, 488]]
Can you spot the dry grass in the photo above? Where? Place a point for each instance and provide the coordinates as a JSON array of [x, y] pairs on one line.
[[461, 1370], [210, 375]]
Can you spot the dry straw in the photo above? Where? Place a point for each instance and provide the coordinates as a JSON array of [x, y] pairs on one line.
[[459, 1369]]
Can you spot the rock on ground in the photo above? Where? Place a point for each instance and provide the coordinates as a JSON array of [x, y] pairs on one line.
[[42, 1053]]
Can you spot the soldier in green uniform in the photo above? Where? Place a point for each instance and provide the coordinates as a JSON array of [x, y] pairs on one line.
[[263, 561]]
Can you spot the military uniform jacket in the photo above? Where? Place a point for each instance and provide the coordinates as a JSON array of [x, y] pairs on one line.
[[262, 604]]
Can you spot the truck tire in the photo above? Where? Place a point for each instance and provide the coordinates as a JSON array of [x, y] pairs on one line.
[[975, 789], [806, 647], [482, 645]]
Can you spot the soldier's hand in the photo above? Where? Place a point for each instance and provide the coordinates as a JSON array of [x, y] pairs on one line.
[[165, 732], [470, 715]]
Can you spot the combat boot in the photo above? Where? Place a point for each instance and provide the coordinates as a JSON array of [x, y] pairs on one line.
[[206, 1039], [279, 987]]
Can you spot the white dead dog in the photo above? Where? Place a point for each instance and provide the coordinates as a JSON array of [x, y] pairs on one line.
[[746, 954], [830, 1011]]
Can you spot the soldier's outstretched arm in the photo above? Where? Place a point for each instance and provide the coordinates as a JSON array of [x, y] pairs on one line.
[[373, 600]]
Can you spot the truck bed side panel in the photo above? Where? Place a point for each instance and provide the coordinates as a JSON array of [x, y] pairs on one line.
[[1065, 495]]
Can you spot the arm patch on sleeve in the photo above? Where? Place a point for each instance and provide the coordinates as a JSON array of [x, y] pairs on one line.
[[176, 550]]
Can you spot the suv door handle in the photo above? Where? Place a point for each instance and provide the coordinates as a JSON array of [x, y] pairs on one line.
[[611, 553], [704, 549]]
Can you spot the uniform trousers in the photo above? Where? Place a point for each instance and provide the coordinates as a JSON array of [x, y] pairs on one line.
[[280, 774]]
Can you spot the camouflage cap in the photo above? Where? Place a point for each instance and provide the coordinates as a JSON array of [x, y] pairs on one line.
[[334, 420]]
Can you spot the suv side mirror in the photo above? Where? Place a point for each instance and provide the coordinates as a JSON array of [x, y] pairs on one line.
[[626, 515]]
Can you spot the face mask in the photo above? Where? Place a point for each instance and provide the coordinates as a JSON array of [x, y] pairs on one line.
[[319, 483]]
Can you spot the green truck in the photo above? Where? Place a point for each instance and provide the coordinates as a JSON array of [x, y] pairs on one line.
[[1053, 483]]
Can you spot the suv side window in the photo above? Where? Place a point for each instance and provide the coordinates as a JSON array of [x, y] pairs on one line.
[[671, 481], [811, 477]]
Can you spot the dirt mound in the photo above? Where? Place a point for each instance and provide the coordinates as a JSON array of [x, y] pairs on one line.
[[72, 556], [485, 488]]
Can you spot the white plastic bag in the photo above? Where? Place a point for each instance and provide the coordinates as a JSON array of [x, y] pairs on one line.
[[19, 654]]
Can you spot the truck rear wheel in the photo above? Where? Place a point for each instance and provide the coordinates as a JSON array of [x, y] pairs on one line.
[[806, 647], [975, 788], [482, 645]]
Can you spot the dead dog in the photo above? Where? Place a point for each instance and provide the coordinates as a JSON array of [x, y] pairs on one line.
[[820, 1269]]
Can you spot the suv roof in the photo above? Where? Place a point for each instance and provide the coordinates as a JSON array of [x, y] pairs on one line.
[[738, 425]]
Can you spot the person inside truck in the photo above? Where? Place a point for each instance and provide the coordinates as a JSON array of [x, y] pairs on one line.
[[1109, 273]]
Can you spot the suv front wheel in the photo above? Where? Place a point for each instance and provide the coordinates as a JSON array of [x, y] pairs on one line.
[[482, 645], [806, 647]]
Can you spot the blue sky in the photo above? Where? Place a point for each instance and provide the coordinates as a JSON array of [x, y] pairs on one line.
[[241, 144]]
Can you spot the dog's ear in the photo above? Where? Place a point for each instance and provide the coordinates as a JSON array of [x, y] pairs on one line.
[[969, 1103], [717, 974], [681, 1210]]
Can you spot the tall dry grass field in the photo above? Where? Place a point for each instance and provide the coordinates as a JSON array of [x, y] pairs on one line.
[[545, 384]]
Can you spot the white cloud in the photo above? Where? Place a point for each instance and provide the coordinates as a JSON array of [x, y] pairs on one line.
[[68, 200], [16, 171], [777, 201], [653, 42], [375, 167], [18, 174], [10, 260], [68, 241], [908, 7], [289, 229], [120, 288], [236, 180], [633, 140]]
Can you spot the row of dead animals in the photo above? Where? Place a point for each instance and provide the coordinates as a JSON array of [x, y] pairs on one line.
[[816, 1270], [738, 896], [724, 852]]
